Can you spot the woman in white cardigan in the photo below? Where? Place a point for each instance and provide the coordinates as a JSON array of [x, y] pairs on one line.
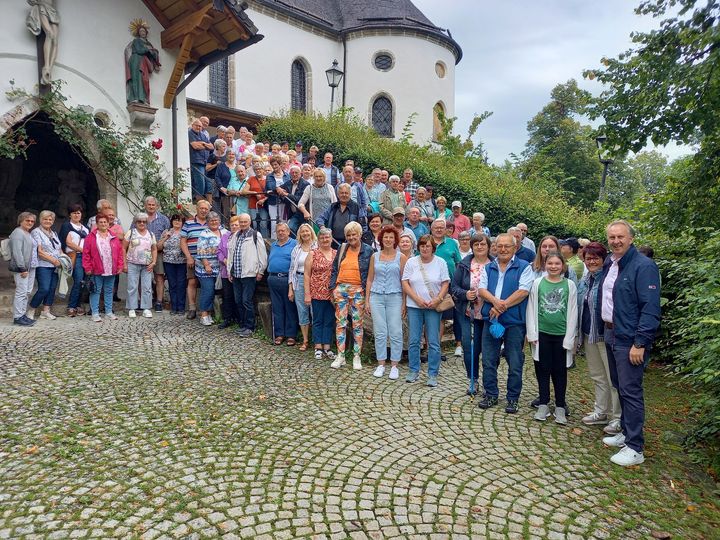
[[551, 329]]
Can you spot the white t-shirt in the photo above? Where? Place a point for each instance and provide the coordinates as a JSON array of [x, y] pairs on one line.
[[436, 272], [75, 237]]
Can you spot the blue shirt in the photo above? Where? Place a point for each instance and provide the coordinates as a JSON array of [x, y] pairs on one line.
[[197, 156], [387, 276], [419, 230], [279, 260]]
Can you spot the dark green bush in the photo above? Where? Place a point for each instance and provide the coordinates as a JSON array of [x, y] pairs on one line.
[[503, 198]]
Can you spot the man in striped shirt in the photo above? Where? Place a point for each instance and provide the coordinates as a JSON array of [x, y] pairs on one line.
[[189, 235]]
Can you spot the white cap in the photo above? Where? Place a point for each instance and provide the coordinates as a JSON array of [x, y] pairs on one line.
[[456, 203]]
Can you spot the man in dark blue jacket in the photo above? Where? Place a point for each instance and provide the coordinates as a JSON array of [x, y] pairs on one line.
[[629, 305], [504, 286], [291, 192], [339, 214]]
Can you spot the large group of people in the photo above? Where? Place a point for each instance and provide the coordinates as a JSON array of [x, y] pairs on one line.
[[339, 251]]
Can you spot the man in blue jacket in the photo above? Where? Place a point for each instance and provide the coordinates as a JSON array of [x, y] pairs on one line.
[[504, 286], [291, 192], [629, 305], [339, 214]]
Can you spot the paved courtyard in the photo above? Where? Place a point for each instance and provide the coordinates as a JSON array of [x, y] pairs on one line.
[[165, 429]]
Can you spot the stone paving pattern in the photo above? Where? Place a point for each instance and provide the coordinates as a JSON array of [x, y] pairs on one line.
[[165, 429]]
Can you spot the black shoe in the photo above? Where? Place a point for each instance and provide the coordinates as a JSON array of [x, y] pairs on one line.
[[573, 365], [443, 358], [423, 358], [191, 314], [22, 322], [225, 324], [28, 320], [116, 298], [486, 402], [158, 307], [535, 403], [512, 407]]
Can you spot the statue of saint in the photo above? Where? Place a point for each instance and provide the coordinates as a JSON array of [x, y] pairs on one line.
[[141, 59], [43, 17]]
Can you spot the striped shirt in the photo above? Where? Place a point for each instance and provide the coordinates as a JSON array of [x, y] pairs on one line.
[[191, 230]]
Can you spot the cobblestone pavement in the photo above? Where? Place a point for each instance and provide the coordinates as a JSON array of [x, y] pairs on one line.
[[165, 429]]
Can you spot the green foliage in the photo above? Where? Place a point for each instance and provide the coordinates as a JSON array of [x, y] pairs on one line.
[[634, 177], [125, 159], [560, 150], [453, 145], [503, 198]]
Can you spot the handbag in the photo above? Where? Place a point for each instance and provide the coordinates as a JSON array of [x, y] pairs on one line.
[[446, 303]]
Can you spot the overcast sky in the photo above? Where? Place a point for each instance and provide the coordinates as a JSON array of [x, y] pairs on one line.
[[516, 51]]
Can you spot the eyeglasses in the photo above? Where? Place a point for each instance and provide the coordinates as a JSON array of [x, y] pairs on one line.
[[141, 221], [504, 246]]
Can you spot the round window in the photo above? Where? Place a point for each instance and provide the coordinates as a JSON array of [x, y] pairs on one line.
[[440, 69], [383, 61]]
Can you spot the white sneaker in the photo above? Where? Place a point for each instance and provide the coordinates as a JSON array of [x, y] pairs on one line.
[[613, 428], [111, 316], [97, 318], [616, 440], [394, 373], [45, 314], [339, 361], [148, 314], [560, 416], [627, 457], [458, 350], [595, 419], [30, 314], [357, 365], [205, 321], [132, 314], [379, 371], [543, 411]]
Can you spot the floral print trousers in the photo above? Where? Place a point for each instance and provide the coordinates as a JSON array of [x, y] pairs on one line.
[[349, 298]]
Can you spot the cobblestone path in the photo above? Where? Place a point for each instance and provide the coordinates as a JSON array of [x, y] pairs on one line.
[[164, 429]]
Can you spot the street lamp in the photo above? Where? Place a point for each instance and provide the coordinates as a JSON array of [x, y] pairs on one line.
[[604, 157], [334, 76]]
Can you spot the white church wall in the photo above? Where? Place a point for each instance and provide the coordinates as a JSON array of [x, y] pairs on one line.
[[412, 83], [91, 44]]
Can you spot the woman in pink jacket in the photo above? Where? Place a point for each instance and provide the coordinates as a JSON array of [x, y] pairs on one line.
[[102, 260]]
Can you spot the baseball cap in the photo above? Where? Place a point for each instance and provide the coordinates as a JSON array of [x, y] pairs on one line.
[[398, 210], [456, 203], [358, 170], [298, 143]]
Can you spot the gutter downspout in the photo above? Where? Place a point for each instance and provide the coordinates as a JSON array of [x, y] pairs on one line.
[[174, 149], [344, 41]]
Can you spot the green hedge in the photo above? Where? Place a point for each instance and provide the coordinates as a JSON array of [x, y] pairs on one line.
[[503, 198]]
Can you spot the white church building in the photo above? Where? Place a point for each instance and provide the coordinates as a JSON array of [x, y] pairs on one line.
[[397, 65], [233, 61]]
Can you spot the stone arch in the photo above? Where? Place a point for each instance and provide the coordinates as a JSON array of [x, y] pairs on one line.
[[52, 175]]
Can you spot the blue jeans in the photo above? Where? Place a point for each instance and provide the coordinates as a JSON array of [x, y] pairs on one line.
[[78, 275], [199, 182], [47, 280], [284, 313], [472, 363], [303, 310], [177, 282], [417, 318], [207, 293], [139, 279], [104, 284], [514, 340], [628, 380], [323, 322], [295, 221], [386, 311], [244, 289]]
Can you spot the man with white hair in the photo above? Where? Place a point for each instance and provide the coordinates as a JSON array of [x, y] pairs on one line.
[[157, 224], [291, 192], [392, 198], [525, 240], [521, 251], [101, 206]]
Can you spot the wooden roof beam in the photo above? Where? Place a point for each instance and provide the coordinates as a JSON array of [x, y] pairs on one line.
[[179, 69], [173, 36]]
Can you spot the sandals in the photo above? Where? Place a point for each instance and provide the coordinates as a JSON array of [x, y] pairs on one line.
[[279, 340], [291, 342], [304, 346], [318, 354]]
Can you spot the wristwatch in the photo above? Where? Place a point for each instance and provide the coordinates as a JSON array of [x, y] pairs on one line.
[[638, 345]]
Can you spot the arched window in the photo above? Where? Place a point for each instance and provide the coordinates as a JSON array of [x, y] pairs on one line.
[[218, 79], [437, 126], [382, 116], [298, 87]]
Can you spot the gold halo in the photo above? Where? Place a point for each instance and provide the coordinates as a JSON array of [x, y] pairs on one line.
[[136, 25]]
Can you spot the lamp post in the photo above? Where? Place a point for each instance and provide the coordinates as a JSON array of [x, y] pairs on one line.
[[334, 76], [605, 160]]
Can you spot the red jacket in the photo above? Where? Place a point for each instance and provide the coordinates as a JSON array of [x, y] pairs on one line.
[[91, 261]]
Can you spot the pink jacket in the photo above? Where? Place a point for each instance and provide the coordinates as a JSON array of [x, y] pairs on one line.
[[91, 261]]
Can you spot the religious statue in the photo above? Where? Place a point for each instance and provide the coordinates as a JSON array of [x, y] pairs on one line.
[[141, 59], [43, 17]]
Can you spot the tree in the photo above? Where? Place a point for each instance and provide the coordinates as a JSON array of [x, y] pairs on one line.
[[560, 150], [633, 177]]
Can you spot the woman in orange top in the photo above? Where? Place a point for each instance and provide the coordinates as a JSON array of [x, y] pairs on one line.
[[256, 202], [348, 281]]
